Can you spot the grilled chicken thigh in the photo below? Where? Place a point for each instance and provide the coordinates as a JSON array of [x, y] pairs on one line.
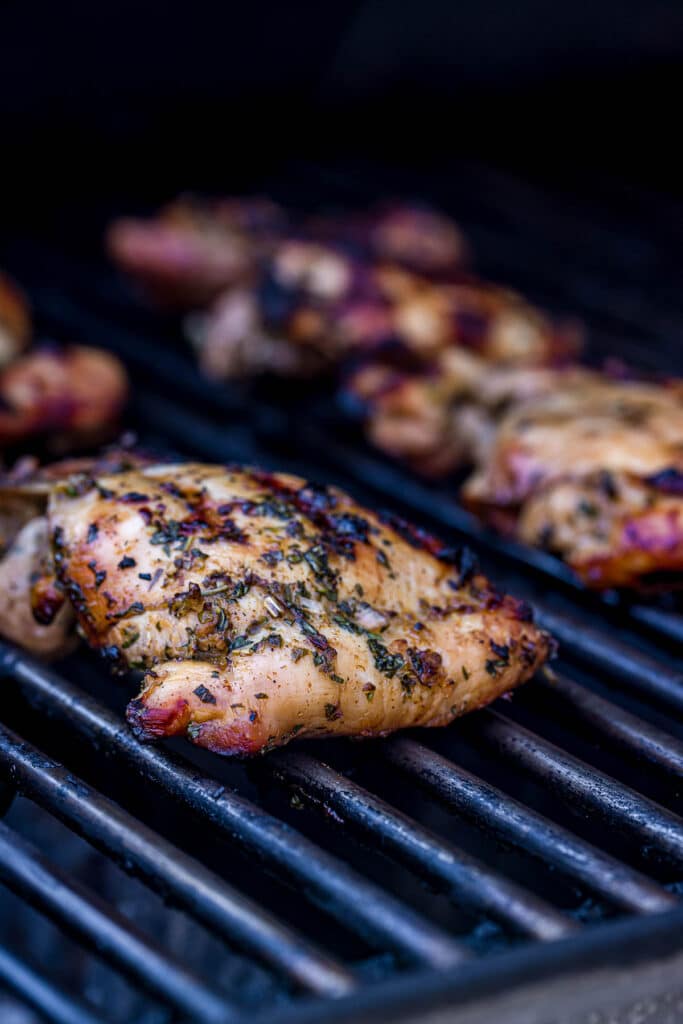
[[27, 586], [262, 608], [592, 469], [442, 414], [191, 251], [314, 305], [66, 393], [25, 560], [195, 249]]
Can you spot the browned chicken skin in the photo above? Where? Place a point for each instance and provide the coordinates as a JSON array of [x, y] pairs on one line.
[[262, 608], [592, 469]]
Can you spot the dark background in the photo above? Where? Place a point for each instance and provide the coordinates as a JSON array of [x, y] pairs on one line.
[[138, 99]]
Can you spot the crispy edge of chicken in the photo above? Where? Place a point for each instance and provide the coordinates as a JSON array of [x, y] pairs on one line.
[[262, 608], [592, 470]]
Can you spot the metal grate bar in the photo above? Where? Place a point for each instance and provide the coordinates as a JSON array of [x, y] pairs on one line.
[[48, 1000], [355, 902], [469, 883], [512, 822], [165, 868], [608, 722], [101, 928], [643, 676], [667, 624], [656, 832]]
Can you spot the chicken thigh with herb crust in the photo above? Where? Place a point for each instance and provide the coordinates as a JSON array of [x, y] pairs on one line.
[[591, 468], [262, 608]]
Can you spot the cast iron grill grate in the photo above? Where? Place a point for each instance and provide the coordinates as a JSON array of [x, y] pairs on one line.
[[546, 830]]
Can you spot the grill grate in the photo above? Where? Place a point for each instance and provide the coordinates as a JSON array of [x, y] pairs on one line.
[[547, 830]]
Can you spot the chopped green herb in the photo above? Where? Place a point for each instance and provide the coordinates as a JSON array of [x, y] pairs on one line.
[[239, 641], [386, 663]]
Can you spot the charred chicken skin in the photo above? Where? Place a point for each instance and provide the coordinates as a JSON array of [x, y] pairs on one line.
[[592, 470], [262, 608]]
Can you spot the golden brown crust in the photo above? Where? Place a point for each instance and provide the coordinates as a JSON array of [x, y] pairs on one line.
[[263, 608]]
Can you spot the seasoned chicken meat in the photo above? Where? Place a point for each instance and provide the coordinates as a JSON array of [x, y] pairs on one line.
[[315, 304], [195, 249], [591, 469], [64, 393], [262, 608], [24, 561], [32, 611], [442, 414]]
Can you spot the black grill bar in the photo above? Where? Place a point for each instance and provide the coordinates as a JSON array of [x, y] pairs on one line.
[[510, 821], [165, 868], [666, 624], [49, 1001], [357, 903], [645, 677], [608, 722], [468, 883], [100, 927], [656, 832]]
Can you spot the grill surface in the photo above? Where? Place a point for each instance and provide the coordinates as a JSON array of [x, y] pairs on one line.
[[529, 841]]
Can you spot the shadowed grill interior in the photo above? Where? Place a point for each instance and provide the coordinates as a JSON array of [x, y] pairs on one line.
[[522, 838]]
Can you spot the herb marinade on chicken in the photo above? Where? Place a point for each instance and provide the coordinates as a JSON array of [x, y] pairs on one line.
[[592, 469], [262, 608]]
